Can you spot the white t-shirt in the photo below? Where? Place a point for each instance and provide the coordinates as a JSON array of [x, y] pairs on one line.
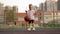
[[31, 14]]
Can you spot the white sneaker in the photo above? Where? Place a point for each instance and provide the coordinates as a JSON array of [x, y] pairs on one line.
[[33, 29], [29, 29]]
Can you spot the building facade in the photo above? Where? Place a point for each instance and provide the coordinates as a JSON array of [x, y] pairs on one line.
[[49, 5], [41, 6], [1, 13], [49, 16], [58, 4], [4, 11]]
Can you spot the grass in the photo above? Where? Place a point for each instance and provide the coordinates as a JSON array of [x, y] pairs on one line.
[[13, 27], [20, 27]]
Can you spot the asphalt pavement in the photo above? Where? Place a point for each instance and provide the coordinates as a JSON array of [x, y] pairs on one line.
[[38, 31]]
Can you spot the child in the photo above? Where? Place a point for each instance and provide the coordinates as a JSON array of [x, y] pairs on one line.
[[31, 14]]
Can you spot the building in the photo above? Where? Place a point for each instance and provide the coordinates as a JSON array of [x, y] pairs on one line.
[[15, 9], [7, 12], [35, 8], [58, 3], [41, 6], [45, 16], [48, 16], [1, 13], [49, 5]]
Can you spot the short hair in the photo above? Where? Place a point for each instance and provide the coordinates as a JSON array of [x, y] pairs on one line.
[[30, 4]]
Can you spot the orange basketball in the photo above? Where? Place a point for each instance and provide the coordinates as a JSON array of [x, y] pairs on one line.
[[26, 18]]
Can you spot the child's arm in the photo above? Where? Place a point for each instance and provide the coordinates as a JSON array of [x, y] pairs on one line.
[[36, 13]]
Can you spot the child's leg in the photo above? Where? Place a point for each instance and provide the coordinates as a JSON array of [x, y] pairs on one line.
[[33, 27], [29, 28]]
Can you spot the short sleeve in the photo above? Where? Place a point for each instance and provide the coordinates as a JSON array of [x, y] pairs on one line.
[[33, 11], [27, 12]]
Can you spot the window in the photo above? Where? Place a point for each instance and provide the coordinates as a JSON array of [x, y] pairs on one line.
[[40, 18], [21, 19], [46, 17]]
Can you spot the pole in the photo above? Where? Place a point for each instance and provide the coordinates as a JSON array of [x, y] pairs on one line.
[[53, 15]]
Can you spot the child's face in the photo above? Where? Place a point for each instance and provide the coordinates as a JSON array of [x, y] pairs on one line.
[[30, 7]]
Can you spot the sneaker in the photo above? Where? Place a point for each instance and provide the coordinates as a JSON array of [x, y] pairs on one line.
[[33, 29], [29, 29]]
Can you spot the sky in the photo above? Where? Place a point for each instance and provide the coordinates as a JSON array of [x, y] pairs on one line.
[[22, 4]]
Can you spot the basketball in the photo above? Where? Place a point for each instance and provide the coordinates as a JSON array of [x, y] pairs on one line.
[[26, 18]]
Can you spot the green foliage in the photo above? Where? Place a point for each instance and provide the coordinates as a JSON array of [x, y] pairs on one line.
[[10, 16], [54, 21]]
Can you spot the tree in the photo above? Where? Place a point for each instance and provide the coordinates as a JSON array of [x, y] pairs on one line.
[[10, 16]]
